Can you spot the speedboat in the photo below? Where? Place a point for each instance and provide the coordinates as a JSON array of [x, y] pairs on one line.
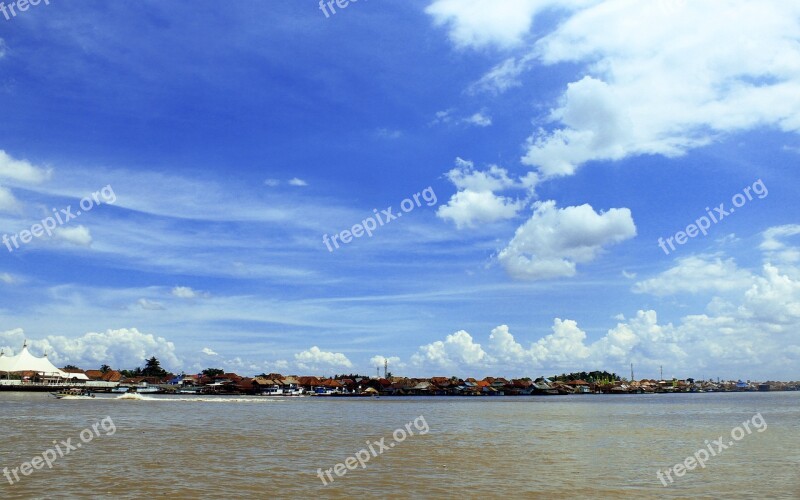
[[72, 394]]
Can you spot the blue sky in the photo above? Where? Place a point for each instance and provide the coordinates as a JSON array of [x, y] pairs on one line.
[[561, 140]]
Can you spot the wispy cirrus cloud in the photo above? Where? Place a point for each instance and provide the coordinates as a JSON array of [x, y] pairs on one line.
[[696, 274], [185, 292], [150, 305]]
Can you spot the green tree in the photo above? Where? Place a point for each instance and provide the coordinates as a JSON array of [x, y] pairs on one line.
[[595, 376], [137, 372], [213, 372], [105, 368], [152, 368]]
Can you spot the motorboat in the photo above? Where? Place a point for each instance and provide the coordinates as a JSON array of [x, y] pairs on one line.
[[324, 391], [72, 394]]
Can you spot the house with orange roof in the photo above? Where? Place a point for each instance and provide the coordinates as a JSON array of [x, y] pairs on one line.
[[579, 386], [107, 376]]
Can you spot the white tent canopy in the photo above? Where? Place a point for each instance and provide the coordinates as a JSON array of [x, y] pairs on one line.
[[27, 362]]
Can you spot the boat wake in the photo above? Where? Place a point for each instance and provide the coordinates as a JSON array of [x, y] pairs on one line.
[[139, 397], [135, 397], [222, 400]]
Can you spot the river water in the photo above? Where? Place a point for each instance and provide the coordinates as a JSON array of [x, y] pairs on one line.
[[588, 446]]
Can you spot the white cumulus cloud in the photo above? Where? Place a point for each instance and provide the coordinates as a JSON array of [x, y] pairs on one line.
[[456, 350], [500, 23], [553, 241], [672, 82], [78, 235], [598, 128], [475, 202], [21, 170], [750, 333], [683, 75], [124, 348], [774, 246], [315, 357]]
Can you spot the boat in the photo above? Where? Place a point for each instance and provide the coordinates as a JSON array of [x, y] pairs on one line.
[[279, 391], [272, 391], [145, 389], [324, 391], [72, 394]]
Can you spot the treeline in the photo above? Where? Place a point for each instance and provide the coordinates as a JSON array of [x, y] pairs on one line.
[[592, 377], [152, 368], [352, 376]]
